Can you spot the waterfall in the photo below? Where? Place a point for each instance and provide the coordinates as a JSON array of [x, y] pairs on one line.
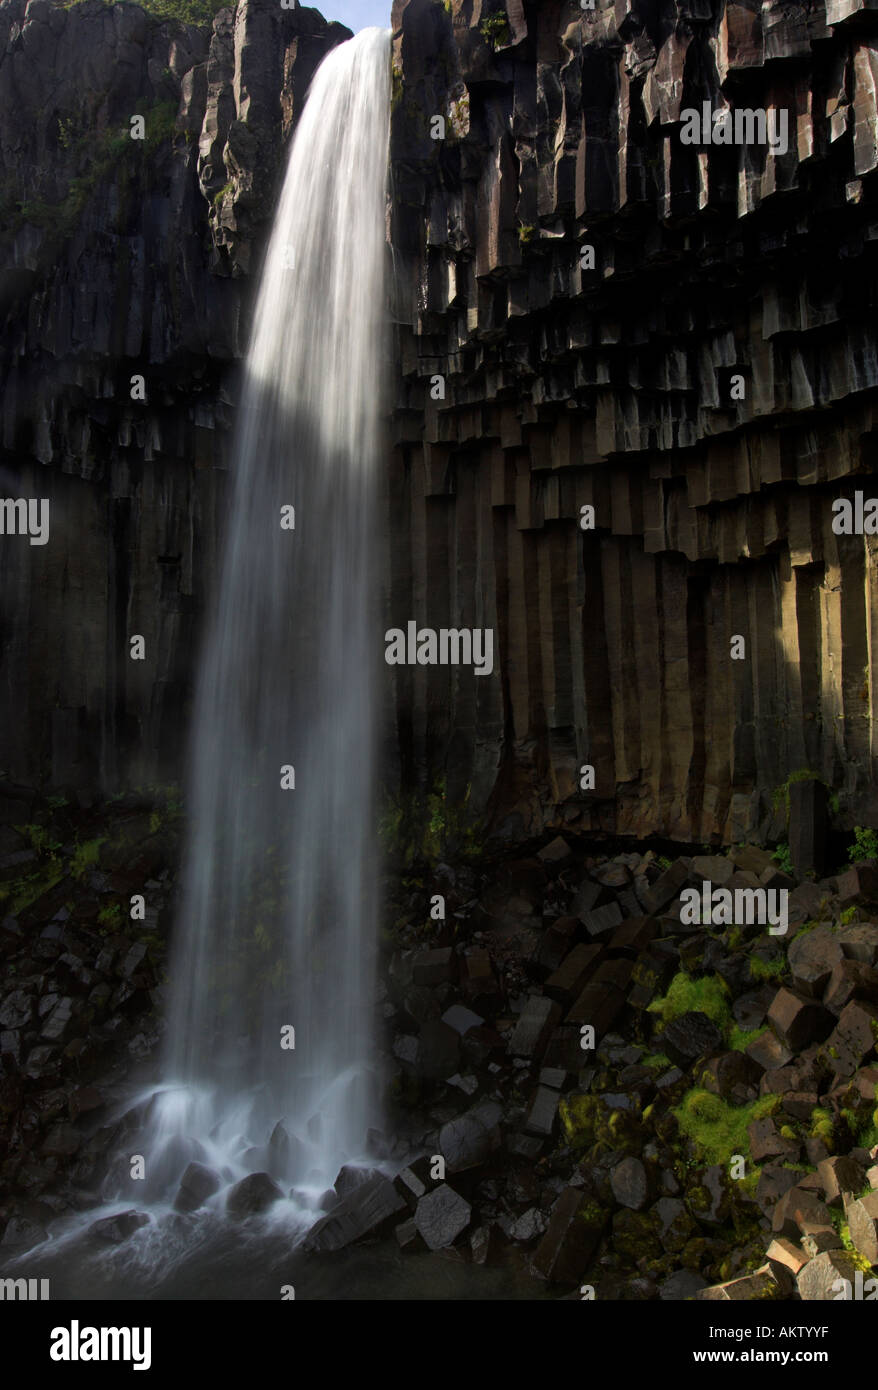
[[268, 1046]]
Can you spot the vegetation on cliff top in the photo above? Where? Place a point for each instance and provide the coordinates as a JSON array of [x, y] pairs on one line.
[[184, 11]]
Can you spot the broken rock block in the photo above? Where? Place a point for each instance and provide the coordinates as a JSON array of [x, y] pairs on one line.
[[666, 888], [598, 1005], [859, 941], [761, 1284], [798, 1021], [786, 1253], [535, 1025], [441, 1216], [769, 1052], [368, 1210], [113, 1230], [601, 921], [253, 1194], [840, 1176], [850, 979], [570, 978], [861, 1214], [689, 1037], [854, 1037], [555, 854], [543, 1114], [575, 1227], [197, 1184], [820, 1280], [812, 958], [468, 1141], [858, 883], [630, 1183]]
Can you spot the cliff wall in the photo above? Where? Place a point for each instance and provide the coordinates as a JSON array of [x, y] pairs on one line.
[[705, 380], [125, 258]]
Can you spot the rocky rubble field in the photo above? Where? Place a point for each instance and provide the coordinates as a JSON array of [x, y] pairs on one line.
[[718, 1140], [80, 1001]]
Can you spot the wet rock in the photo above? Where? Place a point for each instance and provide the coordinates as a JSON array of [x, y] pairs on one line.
[[689, 1037], [351, 1176], [252, 1195], [114, 1230], [468, 1142], [441, 1216], [21, 1234], [197, 1184], [371, 1208], [411, 1186]]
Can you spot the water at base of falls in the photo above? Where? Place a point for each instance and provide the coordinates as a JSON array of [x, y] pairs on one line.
[[269, 1064]]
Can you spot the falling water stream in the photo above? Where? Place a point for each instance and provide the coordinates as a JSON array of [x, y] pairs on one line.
[[269, 1059]]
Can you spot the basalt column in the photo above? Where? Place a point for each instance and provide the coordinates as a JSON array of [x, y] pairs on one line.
[[595, 313]]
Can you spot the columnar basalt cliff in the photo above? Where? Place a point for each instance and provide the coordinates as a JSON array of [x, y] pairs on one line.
[[123, 258], [705, 380]]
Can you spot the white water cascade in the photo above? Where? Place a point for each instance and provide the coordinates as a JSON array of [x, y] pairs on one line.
[[278, 908]]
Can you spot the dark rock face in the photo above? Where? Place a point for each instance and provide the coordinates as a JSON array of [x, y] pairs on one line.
[[253, 1194], [123, 258], [572, 382]]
